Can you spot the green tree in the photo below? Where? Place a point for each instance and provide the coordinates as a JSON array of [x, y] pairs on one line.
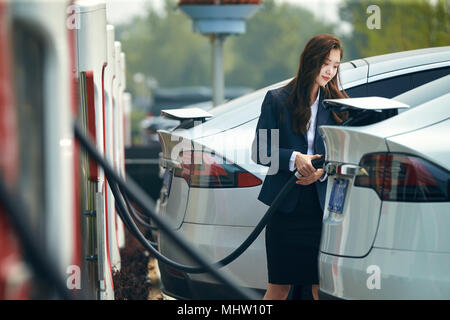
[[270, 49], [405, 25], [166, 48]]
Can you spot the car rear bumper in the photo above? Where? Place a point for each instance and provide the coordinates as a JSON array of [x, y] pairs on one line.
[[182, 286], [386, 274], [215, 242]]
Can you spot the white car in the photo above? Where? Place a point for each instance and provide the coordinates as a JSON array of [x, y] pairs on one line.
[[387, 216], [214, 204]]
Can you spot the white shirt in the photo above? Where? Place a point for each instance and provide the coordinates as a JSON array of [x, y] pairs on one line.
[[312, 125], [310, 135]]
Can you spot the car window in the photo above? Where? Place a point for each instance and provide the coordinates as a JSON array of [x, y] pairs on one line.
[[420, 78], [358, 91], [390, 87], [395, 86]]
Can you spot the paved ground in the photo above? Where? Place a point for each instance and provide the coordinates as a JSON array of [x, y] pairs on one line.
[[154, 275], [155, 279]]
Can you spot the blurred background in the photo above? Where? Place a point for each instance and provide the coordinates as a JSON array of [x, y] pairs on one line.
[[165, 55]]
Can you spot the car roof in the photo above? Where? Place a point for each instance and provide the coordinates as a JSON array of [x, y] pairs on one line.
[[407, 59]]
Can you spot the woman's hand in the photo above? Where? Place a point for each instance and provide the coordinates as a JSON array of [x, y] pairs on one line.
[[303, 163], [304, 181]]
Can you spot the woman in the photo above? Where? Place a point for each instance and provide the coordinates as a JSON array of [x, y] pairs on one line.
[[293, 114]]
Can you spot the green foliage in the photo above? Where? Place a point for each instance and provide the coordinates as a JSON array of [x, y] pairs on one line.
[[166, 48], [405, 25], [270, 49]]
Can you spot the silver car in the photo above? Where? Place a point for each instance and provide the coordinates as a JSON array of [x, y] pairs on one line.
[[385, 232], [214, 203]]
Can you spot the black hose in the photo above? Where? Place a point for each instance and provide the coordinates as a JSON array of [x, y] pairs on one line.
[[190, 269], [223, 262], [136, 215], [138, 196], [126, 218], [113, 179], [244, 245]]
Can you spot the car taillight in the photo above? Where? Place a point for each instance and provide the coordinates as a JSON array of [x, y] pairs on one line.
[[206, 170], [403, 177]]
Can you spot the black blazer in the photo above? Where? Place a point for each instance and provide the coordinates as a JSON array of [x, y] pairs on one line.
[[288, 141]]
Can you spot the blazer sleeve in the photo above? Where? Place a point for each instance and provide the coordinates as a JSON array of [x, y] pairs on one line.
[[261, 147]]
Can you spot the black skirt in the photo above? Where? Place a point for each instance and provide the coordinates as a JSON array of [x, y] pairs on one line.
[[293, 240]]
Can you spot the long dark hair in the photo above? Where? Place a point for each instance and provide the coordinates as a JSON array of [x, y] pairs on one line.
[[311, 60]]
